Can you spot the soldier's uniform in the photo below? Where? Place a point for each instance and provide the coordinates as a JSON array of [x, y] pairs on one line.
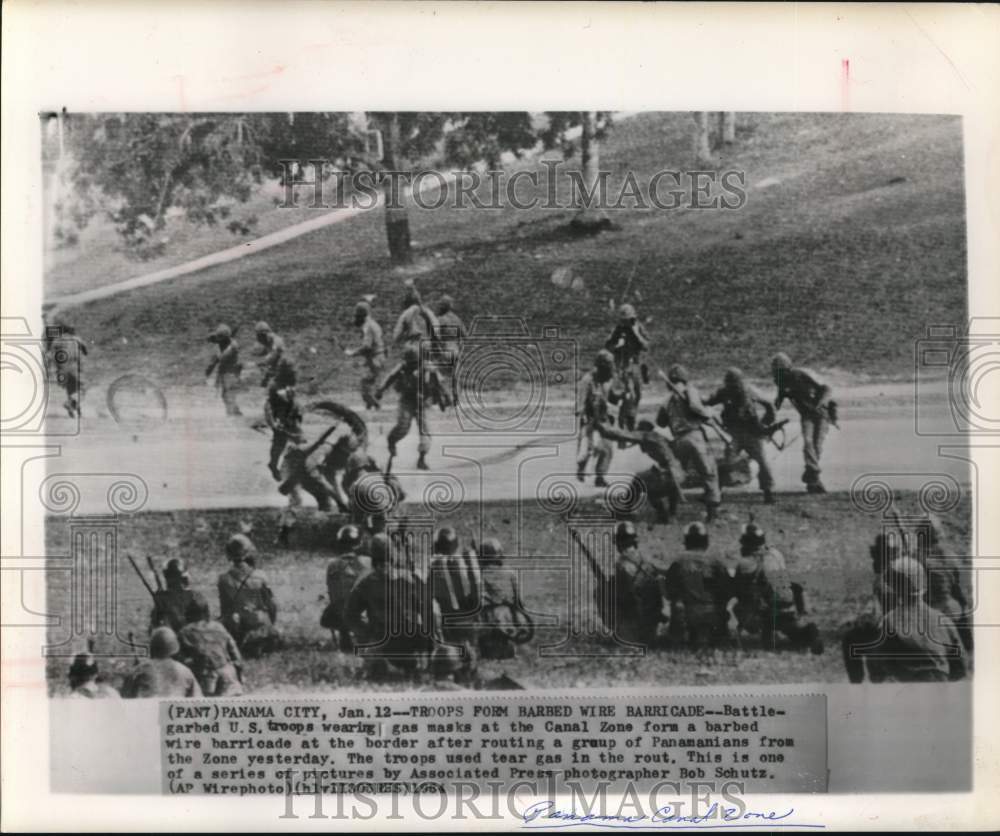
[[811, 398], [284, 416], [342, 573], [450, 333], [627, 342], [597, 394], [272, 347], [161, 676], [414, 398], [227, 366], [416, 323], [65, 353], [741, 404], [247, 603], [503, 615], [685, 416], [211, 653], [371, 494], [171, 605], [371, 351], [456, 585], [697, 611], [662, 482]]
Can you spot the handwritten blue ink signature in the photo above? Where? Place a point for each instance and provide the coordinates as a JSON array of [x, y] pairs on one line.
[[544, 815]]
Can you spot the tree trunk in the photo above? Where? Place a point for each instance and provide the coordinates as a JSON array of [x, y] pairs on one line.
[[397, 220], [702, 145], [590, 216], [727, 127]]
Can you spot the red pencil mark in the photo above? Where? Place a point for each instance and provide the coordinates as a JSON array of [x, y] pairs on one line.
[[845, 84]]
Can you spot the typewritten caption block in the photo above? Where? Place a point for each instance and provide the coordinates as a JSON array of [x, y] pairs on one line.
[[420, 744]]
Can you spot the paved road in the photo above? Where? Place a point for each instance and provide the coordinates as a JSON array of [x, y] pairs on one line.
[[215, 463]]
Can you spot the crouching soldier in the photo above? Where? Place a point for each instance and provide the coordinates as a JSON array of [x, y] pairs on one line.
[[505, 623], [768, 601], [210, 652], [161, 675], [371, 494], [697, 614], [248, 606], [170, 605], [342, 573], [456, 583]]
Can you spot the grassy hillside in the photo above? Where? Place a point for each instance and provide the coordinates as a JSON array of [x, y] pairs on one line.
[[851, 241]]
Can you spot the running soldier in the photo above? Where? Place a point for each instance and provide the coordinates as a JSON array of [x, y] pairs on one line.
[[170, 605], [283, 415], [697, 615], [371, 350], [342, 573], [812, 399], [418, 389], [597, 394], [417, 323], [248, 606], [627, 342], [271, 349], [741, 416], [767, 600], [227, 367], [920, 643], [450, 333], [161, 676], [210, 652], [662, 482], [686, 416], [65, 351], [85, 679]]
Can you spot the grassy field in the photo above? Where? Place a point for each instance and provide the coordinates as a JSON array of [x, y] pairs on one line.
[[825, 540], [851, 242]]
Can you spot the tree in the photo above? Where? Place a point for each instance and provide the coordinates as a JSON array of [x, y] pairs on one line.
[[588, 186]]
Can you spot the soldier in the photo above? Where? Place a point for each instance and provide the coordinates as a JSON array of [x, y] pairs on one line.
[[627, 342], [65, 350], [248, 606], [813, 400], [456, 586], [342, 572], [161, 675], [371, 494], [661, 483], [210, 652], [416, 323], [313, 466], [170, 605], [598, 394], [283, 415], [227, 366], [920, 644], [504, 619], [85, 679], [272, 351], [945, 591], [767, 598], [387, 614], [686, 416], [371, 351], [450, 333], [415, 395], [740, 403], [697, 614]]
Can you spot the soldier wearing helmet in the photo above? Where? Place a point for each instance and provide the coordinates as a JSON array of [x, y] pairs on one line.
[[170, 605], [597, 394], [227, 367], [813, 400], [416, 387], [247, 602], [208, 649], [65, 350], [767, 599], [697, 615], [684, 414], [371, 494], [342, 573], [161, 676], [918, 643], [505, 622], [371, 350], [627, 343], [271, 350], [283, 414], [417, 323], [455, 581], [746, 415], [450, 333], [85, 679]]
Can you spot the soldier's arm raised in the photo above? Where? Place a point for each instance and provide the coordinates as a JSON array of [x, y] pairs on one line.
[[607, 431]]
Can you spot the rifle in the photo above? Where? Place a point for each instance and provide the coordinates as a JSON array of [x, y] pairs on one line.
[[769, 430], [142, 577], [156, 575], [631, 276]]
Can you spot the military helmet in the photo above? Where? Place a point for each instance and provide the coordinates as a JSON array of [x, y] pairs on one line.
[[221, 332], [644, 426], [733, 377], [626, 535], [752, 537], [446, 541], [84, 667], [163, 643], [239, 546], [677, 374], [362, 309], [626, 311], [491, 552], [197, 610], [348, 538], [886, 549], [908, 576], [378, 546], [445, 304], [446, 659], [696, 536], [175, 568], [604, 359], [262, 327], [780, 362], [411, 297]]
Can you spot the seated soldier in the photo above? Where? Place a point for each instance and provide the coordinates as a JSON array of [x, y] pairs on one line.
[[211, 653], [456, 583], [342, 573], [697, 614], [504, 622], [248, 606], [171, 604], [161, 675]]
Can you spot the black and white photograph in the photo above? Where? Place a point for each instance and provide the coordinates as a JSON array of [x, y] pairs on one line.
[[421, 446]]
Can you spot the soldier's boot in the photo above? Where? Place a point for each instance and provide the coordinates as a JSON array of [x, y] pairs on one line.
[[68, 406], [816, 487], [600, 481], [581, 470], [711, 511], [422, 462]]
